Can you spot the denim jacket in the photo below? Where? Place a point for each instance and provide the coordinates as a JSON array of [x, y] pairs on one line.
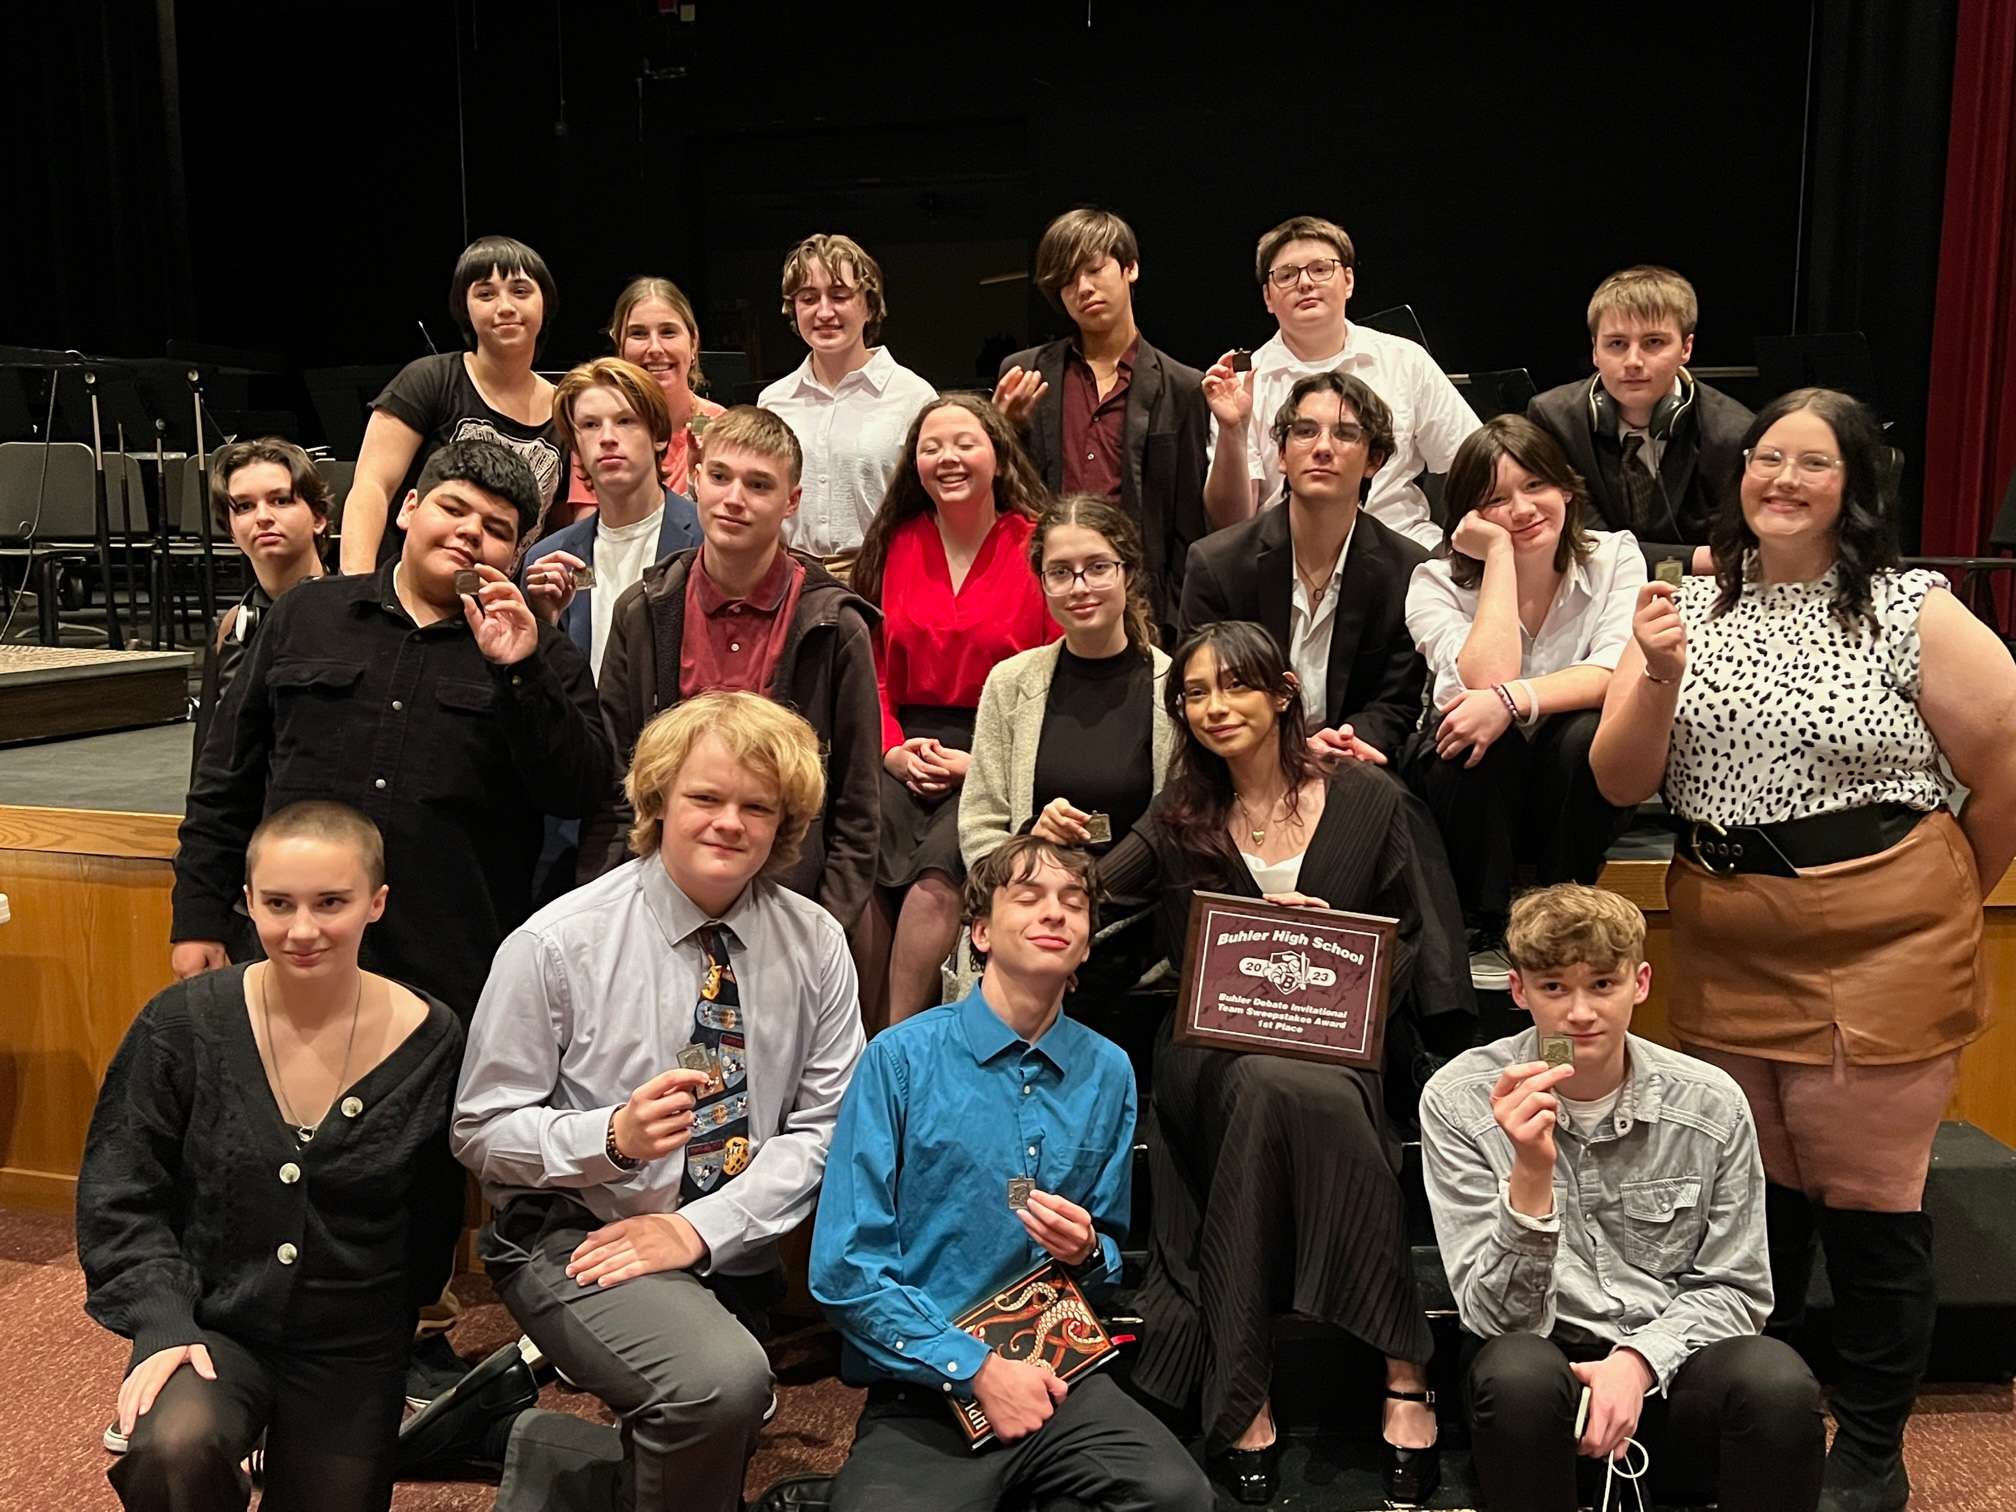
[[1656, 1241]]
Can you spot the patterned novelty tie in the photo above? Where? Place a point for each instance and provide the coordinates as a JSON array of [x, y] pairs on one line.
[[719, 1150], [1641, 495]]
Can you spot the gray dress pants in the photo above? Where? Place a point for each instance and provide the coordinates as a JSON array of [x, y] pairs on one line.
[[686, 1378]]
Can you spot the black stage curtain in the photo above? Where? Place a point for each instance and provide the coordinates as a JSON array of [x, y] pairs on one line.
[[1882, 93], [94, 247]]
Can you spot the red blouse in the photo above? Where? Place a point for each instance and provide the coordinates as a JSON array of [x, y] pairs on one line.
[[936, 647]]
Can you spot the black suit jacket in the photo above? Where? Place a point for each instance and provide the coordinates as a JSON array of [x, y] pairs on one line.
[[1162, 483], [1247, 572], [1700, 468]]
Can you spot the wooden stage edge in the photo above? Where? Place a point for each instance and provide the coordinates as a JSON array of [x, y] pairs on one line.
[[88, 945]]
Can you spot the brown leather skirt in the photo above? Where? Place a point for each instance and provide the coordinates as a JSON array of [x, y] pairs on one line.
[[1884, 948]]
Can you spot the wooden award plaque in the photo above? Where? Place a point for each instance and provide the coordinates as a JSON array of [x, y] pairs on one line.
[[1304, 982]]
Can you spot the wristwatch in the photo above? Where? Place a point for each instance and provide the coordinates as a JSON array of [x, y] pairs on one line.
[[617, 1158]]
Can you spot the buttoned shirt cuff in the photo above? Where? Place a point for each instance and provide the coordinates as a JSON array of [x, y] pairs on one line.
[[719, 1225], [583, 1139], [202, 918], [1665, 1352], [529, 680], [1523, 1232], [955, 1356]]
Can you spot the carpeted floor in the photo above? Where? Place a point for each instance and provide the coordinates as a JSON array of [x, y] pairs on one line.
[[63, 1374]]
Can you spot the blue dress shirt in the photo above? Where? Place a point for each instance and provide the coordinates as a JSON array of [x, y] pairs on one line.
[[914, 1225]]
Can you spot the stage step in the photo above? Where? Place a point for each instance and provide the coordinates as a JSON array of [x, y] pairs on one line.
[[53, 692]]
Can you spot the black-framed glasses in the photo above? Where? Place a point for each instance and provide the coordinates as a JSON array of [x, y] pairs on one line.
[[1769, 462], [1100, 572], [1320, 271], [1306, 432]]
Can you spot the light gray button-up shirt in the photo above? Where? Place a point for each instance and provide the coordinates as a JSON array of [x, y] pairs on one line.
[[594, 995], [1656, 1241]]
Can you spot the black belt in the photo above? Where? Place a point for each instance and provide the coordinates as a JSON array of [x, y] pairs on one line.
[[1786, 849]]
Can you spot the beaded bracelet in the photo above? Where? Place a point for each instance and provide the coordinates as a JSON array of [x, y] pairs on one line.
[[1505, 697]]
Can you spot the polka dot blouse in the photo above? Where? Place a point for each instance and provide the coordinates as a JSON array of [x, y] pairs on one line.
[[1785, 713]]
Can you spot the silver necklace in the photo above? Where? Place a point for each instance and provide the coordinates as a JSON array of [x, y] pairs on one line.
[[306, 1131]]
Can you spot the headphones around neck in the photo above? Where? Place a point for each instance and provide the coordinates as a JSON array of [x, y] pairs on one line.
[[1606, 418]]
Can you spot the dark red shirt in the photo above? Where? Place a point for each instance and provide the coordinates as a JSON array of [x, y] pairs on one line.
[[1095, 429], [735, 644], [936, 647]]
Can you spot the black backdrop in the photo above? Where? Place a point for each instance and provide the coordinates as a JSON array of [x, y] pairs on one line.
[[296, 176]]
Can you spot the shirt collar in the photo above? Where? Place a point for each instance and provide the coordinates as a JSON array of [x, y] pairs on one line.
[[385, 596], [680, 917], [1643, 1096], [1126, 358], [764, 597], [874, 375], [987, 1036]]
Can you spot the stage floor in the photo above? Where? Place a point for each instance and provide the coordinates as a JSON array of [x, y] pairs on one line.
[[144, 771]]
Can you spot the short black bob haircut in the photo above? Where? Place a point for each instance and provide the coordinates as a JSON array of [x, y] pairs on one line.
[[505, 256], [492, 467]]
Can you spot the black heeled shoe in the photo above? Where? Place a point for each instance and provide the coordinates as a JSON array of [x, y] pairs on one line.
[[1251, 1475], [1411, 1475]]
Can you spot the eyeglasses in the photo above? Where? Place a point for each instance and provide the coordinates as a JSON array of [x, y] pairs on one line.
[[1321, 271], [1100, 572], [1769, 462], [1344, 433]]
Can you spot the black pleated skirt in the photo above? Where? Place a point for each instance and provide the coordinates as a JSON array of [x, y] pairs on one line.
[[922, 834], [1276, 1190]]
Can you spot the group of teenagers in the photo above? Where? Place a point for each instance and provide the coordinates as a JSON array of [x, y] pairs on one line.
[[698, 823]]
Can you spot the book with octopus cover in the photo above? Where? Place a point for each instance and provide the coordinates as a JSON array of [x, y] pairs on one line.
[[1041, 1319]]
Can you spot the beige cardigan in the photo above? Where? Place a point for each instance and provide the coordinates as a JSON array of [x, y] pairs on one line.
[[997, 797]]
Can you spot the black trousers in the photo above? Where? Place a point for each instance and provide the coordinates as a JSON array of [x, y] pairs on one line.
[[1531, 799], [1101, 1449], [328, 1403], [1741, 1426]]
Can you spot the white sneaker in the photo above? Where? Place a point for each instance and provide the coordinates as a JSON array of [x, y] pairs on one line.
[[1490, 971], [113, 1440]]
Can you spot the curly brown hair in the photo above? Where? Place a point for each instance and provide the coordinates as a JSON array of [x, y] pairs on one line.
[[1018, 489]]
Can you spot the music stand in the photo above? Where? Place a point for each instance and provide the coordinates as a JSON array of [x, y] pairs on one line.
[[128, 413]]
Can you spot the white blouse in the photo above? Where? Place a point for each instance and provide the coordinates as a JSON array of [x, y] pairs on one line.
[[1784, 713], [1587, 625], [1275, 876]]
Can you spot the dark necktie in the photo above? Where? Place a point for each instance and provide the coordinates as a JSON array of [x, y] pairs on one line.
[[719, 1150], [1640, 488]]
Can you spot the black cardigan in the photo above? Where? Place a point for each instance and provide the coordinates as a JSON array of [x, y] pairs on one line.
[[183, 1203]]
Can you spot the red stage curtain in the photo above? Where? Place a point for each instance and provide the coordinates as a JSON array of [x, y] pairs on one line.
[[1970, 427]]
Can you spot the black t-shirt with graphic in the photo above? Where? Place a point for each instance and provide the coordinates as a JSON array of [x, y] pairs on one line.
[[436, 396]]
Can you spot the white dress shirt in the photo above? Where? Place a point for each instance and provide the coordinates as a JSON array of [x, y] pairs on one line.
[[1587, 625], [1430, 420], [1309, 633], [622, 552], [594, 995], [852, 437]]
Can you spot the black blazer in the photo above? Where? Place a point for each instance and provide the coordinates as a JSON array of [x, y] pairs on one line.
[[1701, 467], [1162, 484], [1247, 572]]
